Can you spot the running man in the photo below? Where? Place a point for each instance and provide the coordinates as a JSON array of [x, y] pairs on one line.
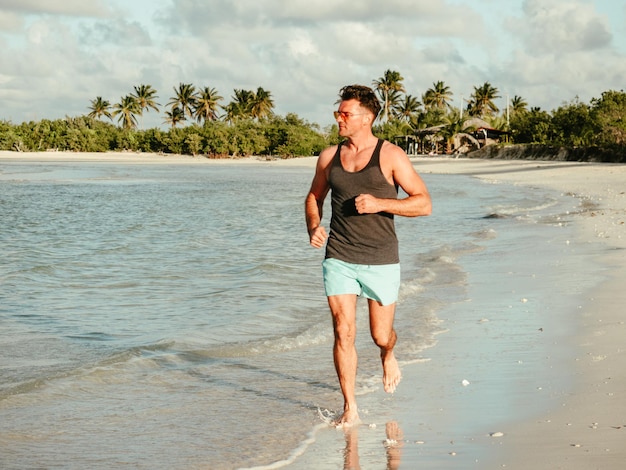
[[363, 174]]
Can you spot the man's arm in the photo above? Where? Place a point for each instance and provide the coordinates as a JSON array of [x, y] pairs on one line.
[[314, 202], [397, 165]]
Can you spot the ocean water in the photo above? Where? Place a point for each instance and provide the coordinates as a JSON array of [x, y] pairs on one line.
[[173, 316]]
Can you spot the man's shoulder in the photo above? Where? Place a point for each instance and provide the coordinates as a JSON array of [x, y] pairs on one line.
[[331, 149], [326, 156], [391, 151], [328, 153]]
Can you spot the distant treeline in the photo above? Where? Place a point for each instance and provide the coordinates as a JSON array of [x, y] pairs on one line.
[[600, 125], [287, 136]]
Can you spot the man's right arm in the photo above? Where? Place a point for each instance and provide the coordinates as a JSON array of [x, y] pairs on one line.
[[314, 202]]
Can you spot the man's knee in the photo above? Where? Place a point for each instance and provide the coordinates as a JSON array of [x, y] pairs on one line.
[[343, 310], [345, 330], [385, 341]]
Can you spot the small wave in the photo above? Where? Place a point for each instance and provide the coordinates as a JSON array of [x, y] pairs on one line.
[[488, 234], [419, 360], [410, 288], [297, 452], [315, 335], [82, 369], [520, 209], [93, 336], [447, 253]]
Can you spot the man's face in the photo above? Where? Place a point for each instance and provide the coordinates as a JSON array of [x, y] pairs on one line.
[[351, 117]]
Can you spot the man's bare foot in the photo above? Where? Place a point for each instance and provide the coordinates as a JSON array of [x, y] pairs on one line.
[[391, 372], [347, 419]]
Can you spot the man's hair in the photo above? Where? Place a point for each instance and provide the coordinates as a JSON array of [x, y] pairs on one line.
[[363, 94]]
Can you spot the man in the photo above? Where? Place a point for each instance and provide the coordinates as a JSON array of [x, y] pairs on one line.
[[363, 174]]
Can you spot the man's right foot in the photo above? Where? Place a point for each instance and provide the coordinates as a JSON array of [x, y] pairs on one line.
[[347, 419]]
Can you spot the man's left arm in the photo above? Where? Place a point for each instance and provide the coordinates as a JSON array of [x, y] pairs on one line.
[[417, 203]]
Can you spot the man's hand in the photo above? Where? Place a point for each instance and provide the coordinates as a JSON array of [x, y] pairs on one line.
[[367, 204], [318, 236]]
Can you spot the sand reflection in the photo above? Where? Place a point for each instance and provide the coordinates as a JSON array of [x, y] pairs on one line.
[[392, 446]]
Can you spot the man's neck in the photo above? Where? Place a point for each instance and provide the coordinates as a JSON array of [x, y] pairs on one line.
[[362, 141]]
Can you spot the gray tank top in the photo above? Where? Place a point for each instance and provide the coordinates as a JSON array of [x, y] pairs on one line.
[[361, 238]]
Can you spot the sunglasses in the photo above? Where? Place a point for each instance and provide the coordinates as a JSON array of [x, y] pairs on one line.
[[345, 115]]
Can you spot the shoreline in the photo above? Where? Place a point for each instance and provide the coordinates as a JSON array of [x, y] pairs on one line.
[[584, 428]]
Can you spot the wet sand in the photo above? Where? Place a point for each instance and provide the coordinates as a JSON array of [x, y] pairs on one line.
[[585, 427]]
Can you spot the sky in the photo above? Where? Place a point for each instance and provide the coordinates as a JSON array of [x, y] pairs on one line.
[[58, 56]]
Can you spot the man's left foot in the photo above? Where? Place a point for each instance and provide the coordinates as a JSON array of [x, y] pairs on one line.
[[391, 373]]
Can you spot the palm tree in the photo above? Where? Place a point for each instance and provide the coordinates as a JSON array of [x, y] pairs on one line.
[[127, 108], [145, 96], [481, 102], [407, 108], [174, 117], [518, 104], [262, 104], [231, 112], [241, 105], [438, 96], [99, 108], [453, 126], [185, 99], [207, 104], [389, 86], [426, 125], [497, 122], [457, 129]]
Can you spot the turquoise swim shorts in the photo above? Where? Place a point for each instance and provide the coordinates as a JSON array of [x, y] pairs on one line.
[[377, 282]]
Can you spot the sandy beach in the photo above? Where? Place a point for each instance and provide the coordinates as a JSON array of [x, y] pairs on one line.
[[585, 426], [585, 429]]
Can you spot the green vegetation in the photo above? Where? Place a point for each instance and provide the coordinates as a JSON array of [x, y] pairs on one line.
[[276, 136], [434, 125], [199, 124]]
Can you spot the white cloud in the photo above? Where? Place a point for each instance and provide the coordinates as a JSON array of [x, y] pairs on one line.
[[563, 26], [65, 7], [561, 50], [302, 46], [10, 22], [57, 56]]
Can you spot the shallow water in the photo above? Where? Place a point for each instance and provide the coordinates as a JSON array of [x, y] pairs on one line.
[[172, 316]]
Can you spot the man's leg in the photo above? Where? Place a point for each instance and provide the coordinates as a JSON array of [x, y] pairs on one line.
[[343, 310], [383, 334]]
